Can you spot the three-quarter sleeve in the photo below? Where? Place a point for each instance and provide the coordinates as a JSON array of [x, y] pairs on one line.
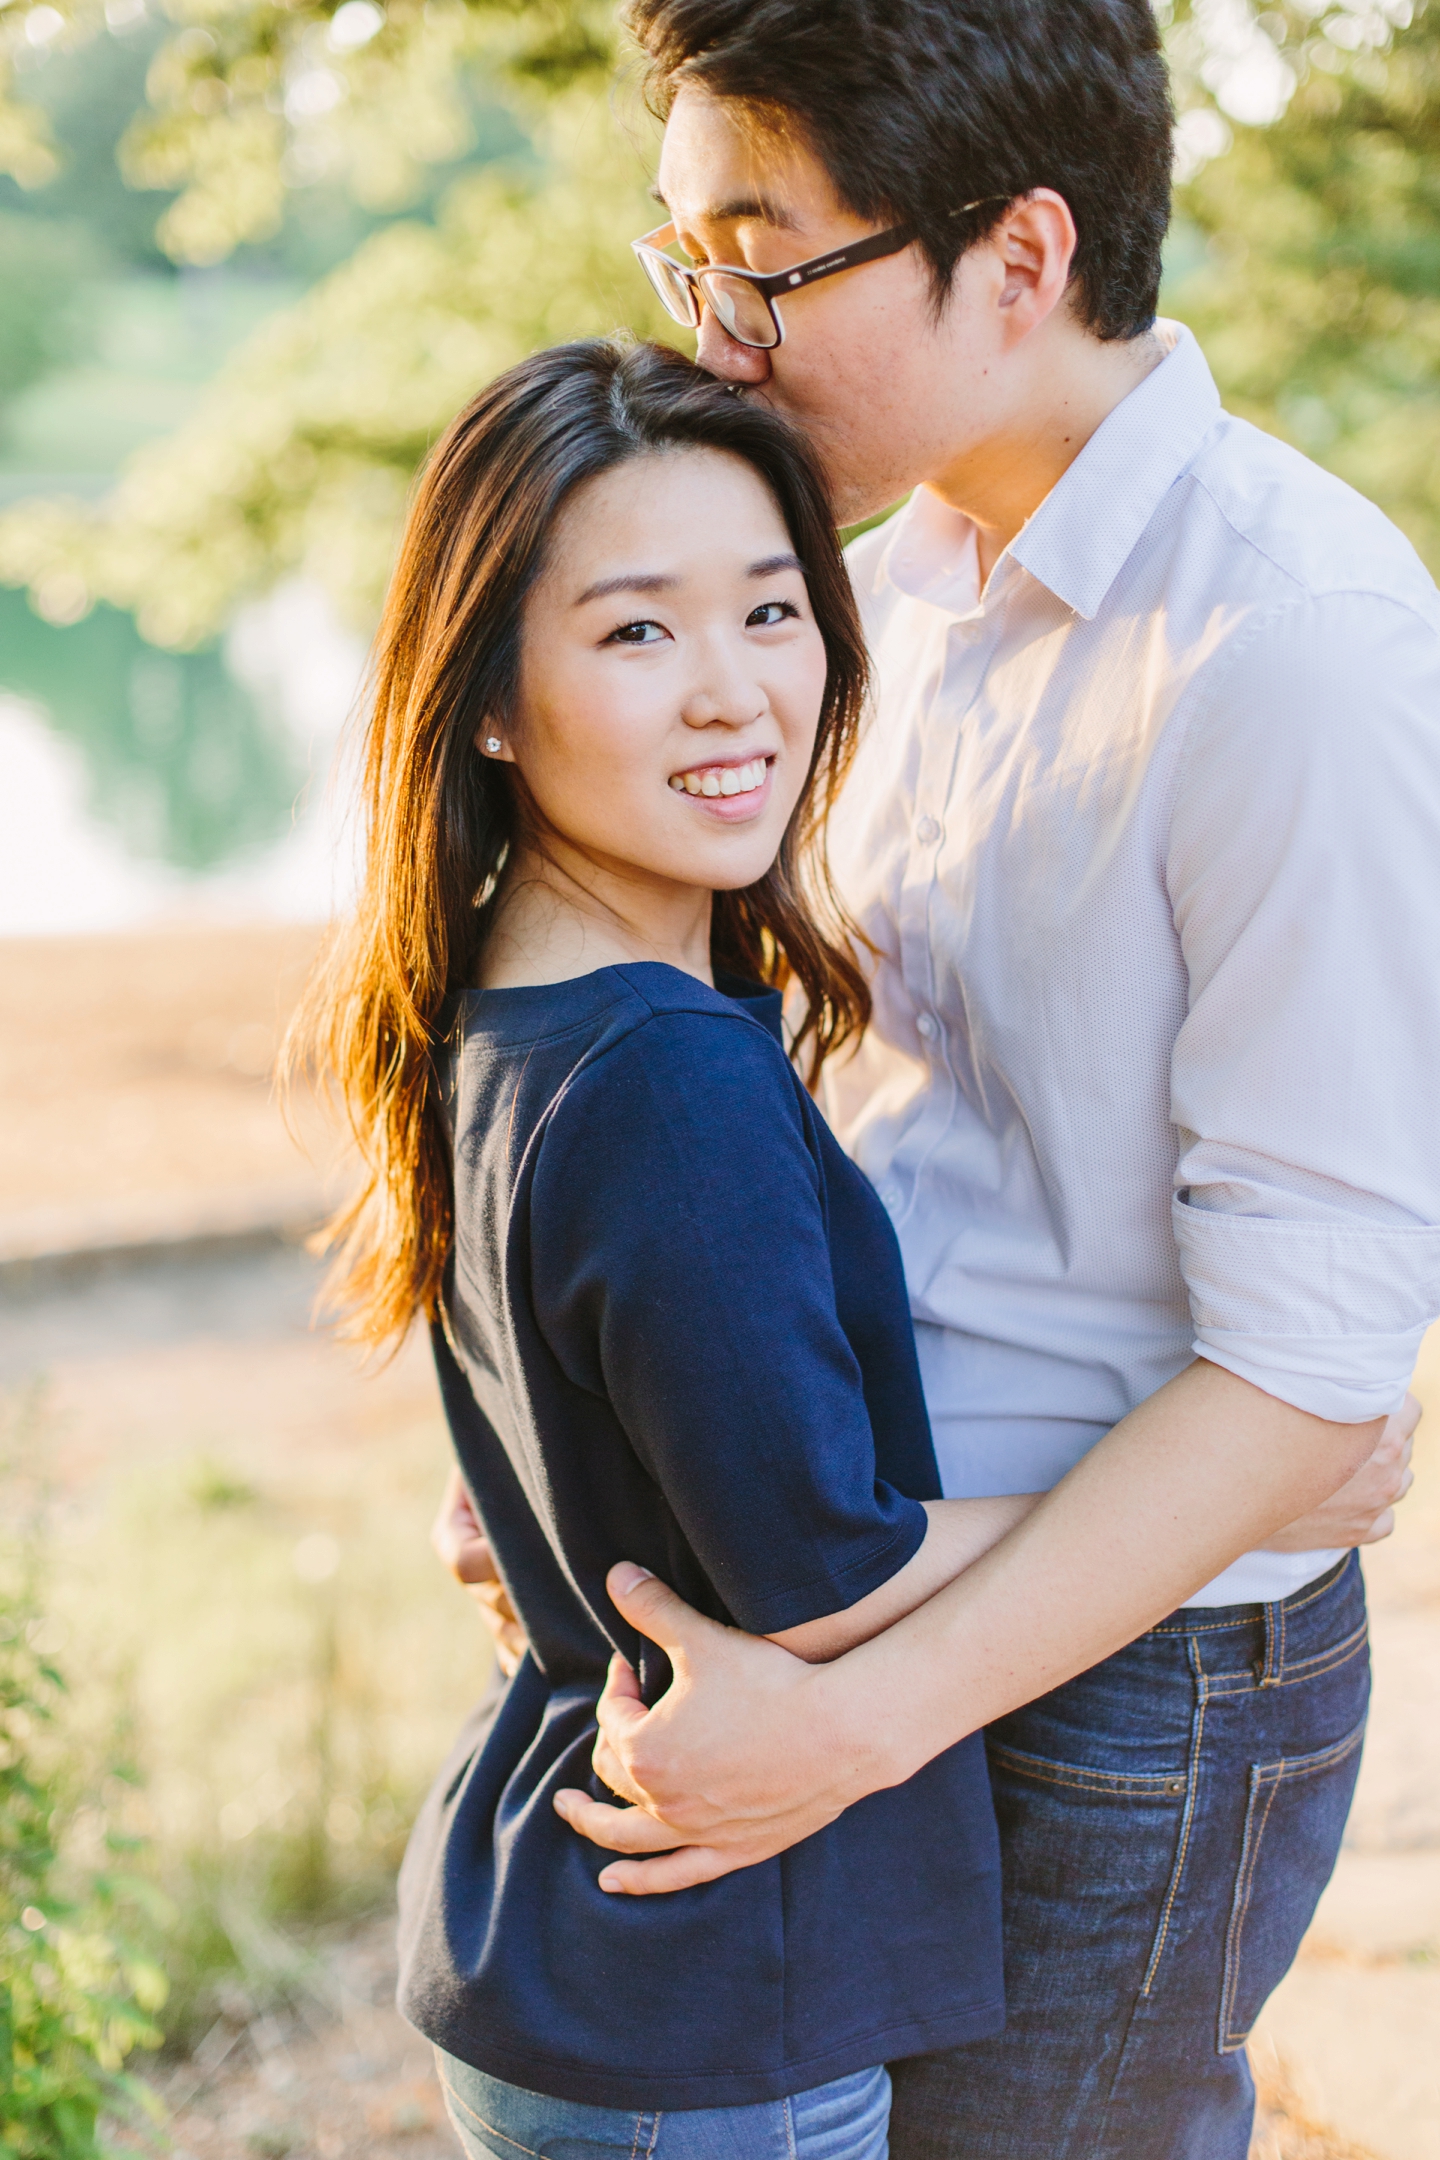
[[680, 1270], [1304, 872]]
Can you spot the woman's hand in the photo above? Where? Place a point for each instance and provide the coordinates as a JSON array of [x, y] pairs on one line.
[[1363, 1511], [463, 1547]]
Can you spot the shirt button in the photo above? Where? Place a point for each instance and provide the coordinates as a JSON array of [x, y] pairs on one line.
[[892, 1197], [929, 1026], [927, 830]]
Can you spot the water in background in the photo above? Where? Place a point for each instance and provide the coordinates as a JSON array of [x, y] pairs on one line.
[[137, 785]]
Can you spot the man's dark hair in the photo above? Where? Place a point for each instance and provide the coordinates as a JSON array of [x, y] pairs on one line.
[[917, 106]]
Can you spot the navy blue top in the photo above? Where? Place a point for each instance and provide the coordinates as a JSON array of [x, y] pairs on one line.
[[677, 1332]]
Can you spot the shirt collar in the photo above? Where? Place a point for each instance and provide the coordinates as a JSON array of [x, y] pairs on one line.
[[1077, 540], [931, 555]]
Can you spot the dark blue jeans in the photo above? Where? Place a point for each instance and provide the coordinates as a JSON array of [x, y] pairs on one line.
[[1168, 1822]]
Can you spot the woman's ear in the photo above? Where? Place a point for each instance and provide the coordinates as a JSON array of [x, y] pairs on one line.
[[492, 744]]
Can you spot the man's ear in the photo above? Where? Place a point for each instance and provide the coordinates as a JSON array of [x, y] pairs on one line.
[[1034, 244]]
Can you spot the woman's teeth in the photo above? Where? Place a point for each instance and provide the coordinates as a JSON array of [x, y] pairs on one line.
[[729, 780]]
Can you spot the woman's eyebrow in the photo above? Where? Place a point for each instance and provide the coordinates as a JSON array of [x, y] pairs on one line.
[[654, 581], [646, 581]]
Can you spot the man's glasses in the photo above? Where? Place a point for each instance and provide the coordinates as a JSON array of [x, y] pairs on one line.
[[743, 301]]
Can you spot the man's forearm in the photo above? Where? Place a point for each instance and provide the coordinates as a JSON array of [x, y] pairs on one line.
[[960, 1531], [1206, 1469]]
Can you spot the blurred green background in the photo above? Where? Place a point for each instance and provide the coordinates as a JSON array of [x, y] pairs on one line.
[[254, 258]]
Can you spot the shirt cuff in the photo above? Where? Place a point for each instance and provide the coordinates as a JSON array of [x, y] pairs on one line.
[[1327, 1316]]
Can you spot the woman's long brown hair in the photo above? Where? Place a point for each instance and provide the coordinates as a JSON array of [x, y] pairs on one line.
[[441, 818]]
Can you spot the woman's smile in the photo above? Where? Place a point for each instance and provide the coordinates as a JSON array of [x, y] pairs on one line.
[[727, 789]]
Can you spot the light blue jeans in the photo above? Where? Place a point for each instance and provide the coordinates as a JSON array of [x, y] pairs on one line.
[[846, 2120]]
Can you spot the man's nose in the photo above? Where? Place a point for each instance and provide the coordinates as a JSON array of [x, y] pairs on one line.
[[720, 354]]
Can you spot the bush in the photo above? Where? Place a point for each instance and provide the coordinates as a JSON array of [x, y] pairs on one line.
[[78, 1991]]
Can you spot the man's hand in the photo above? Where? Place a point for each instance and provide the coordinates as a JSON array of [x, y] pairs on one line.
[[463, 1547], [778, 1700], [752, 1749], [1363, 1511]]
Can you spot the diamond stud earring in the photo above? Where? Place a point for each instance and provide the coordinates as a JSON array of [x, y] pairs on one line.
[[492, 744]]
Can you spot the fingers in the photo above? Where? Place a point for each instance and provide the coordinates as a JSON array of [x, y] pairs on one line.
[[442, 1531], [621, 1714], [653, 1609], [612, 1772], [620, 1710], [622, 1682], [1380, 1528], [457, 1538], [623, 1830], [473, 1565], [676, 1871]]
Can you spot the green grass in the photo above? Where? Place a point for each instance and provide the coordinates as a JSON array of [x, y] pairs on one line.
[[288, 1666]]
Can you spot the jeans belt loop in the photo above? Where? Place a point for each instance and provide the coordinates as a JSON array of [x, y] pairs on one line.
[[1270, 1667]]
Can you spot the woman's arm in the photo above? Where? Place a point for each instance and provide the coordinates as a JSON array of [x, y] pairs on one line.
[[960, 1532], [751, 1750]]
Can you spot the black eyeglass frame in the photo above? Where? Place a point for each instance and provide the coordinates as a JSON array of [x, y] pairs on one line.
[[769, 285]]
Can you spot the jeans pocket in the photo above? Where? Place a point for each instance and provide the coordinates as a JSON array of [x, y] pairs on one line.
[[1294, 1821]]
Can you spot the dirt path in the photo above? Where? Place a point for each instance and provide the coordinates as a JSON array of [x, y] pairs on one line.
[[137, 1068], [343, 2076]]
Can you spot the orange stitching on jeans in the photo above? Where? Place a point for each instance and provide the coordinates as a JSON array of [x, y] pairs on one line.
[[1193, 1786], [1249, 1862], [1296, 1602], [1299, 1599], [1324, 1661], [1303, 1766], [1135, 1785], [1276, 1774]]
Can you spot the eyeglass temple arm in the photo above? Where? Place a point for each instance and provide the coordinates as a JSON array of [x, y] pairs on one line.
[[879, 244]]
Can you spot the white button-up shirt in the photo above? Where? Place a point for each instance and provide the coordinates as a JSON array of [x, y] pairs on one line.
[[1147, 839]]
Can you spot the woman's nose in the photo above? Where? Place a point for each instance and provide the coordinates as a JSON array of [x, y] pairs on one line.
[[715, 707]]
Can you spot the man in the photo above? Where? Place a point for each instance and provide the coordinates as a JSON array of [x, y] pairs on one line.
[[1143, 834]]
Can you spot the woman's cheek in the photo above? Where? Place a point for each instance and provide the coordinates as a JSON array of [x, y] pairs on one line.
[[799, 697]]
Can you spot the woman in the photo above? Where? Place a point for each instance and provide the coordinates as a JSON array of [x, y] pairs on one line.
[[618, 679]]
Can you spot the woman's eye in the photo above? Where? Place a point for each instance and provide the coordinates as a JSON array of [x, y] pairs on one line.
[[769, 612], [636, 633]]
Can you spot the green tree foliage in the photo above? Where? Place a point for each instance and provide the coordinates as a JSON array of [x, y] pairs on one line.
[[87, 96], [76, 1994], [1308, 261], [247, 99], [1317, 295], [301, 456]]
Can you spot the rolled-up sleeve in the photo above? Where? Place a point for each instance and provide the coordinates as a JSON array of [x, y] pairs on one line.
[[1303, 865]]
